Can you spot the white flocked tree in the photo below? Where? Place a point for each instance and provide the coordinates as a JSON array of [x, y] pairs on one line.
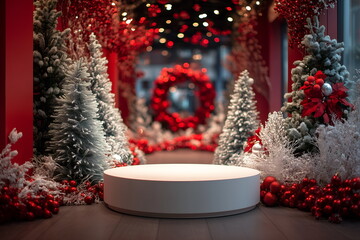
[[50, 62], [77, 136], [240, 123], [108, 114], [140, 118]]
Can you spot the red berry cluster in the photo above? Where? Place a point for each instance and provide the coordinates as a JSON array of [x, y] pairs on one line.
[[334, 201], [41, 205], [87, 195], [143, 145], [269, 191], [315, 82], [321, 105]]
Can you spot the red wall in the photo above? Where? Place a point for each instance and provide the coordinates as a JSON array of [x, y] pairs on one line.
[[113, 72], [16, 80]]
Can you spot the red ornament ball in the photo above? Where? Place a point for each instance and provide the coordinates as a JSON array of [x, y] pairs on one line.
[[328, 209], [101, 195], [275, 187], [262, 194], [55, 210], [270, 199], [65, 182], [88, 200], [356, 183], [336, 204], [267, 181], [47, 213], [30, 216], [311, 79], [355, 210], [317, 87], [336, 180], [50, 197], [319, 81], [73, 183]]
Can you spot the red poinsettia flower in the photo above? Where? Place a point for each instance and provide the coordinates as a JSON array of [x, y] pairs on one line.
[[319, 105], [252, 140]]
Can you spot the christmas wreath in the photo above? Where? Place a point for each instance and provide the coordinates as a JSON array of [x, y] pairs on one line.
[[177, 75]]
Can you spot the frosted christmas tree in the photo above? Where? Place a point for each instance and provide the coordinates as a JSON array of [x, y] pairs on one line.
[[77, 136], [140, 118], [109, 115], [50, 60], [324, 54], [241, 121]]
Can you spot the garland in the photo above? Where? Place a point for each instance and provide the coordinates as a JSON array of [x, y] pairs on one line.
[[160, 103], [27, 197], [296, 13], [336, 200], [194, 142]]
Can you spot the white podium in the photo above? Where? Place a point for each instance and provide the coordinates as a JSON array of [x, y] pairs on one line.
[[181, 190]]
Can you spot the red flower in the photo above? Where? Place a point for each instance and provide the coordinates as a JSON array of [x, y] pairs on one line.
[[319, 105], [252, 140]]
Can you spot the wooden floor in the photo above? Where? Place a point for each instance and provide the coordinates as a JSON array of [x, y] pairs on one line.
[[98, 222]]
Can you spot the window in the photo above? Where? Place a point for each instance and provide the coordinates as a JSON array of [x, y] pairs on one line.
[[351, 34]]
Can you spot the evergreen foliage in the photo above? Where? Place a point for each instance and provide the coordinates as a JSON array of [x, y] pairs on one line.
[[240, 123], [324, 54], [140, 118], [108, 114], [50, 62], [77, 137]]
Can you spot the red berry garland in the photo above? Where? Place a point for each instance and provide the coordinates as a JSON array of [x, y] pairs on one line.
[[179, 74], [334, 201], [117, 33], [296, 13], [40, 205], [194, 142]]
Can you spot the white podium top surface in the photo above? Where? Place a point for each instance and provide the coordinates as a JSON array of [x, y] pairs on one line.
[[181, 172]]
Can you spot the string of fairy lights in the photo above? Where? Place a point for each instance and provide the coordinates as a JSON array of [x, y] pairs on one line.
[[202, 23]]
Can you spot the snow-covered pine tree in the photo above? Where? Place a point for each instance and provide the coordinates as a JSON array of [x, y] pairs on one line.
[[324, 54], [108, 114], [140, 118], [50, 62], [77, 136], [240, 123]]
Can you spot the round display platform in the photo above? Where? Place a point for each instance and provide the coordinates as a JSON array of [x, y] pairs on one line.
[[181, 190]]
